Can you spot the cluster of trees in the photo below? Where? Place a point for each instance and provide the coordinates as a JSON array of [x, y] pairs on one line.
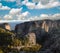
[[8, 40], [5, 40], [32, 48], [5, 37]]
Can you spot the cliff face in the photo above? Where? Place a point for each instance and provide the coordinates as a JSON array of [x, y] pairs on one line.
[[40, 28], [43, 25], [46, 31]]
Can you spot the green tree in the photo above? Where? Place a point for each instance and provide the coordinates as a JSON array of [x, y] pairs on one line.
[[1, 51], [36, 47], [17, 42], [5, 37]]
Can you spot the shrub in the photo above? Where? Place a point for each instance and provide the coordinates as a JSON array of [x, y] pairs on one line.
[[1, 51], [32, 48]]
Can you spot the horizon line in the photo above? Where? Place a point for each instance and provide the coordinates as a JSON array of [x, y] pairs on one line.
[[3, 21]]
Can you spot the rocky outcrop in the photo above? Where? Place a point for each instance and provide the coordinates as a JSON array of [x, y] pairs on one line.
[[31, 39], [47, 33], [5, 26], [38, 27]]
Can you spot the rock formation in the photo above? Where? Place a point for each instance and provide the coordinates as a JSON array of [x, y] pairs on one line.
[[47, 33], [5, 26], [31, 38]]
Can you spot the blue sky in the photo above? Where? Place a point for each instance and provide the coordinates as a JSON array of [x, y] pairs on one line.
[[29, 9]]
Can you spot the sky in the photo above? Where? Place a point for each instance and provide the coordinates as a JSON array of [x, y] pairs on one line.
[[28, 10]]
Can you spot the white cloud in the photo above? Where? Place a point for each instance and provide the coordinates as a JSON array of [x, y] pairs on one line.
[[4, 7], [25, 13], [56, 16], [33, 18], [20, 17], [10, 0], [53, 4], [23, 16], [0, 18], [18, 2], [41, 4], [30, 5], [44, 1], [35, 0], [8, 17], [24, 2], [45, 16], [4, 21], [14, 11], [0, 5], [49, 5]]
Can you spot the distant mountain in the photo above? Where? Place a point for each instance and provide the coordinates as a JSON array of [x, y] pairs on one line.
[[13, 24]]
